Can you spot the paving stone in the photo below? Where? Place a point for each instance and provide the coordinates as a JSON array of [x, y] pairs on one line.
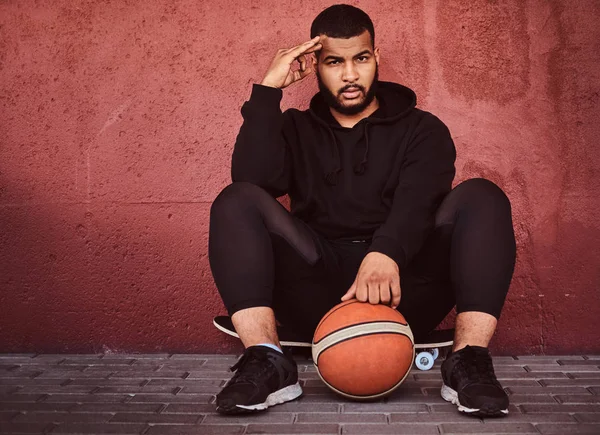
[[196, 357], [502, 376], [27, 381], [50, 389], [376, 429], [284, 429], [195, 389], [85, 398], [129, 389], [98, 428], [184, 382], [203, 429], [156, 418], [67, 374], [559, 408], [568, 429], [548, 358], [587, 417], [108, 382], [570, 382], [7, 415], [117, 407], [23, 428], [299, 407], [262, 417], [384, 407], [548, 390], [170, 398], [62, 417], [147, 374], [563, 361], [449, 407], [535, 368], [578, 398], [9, 389], [479, 428], [518, 399], [592, 376], [121, 369], [192, 408], [21, 398], [324, 417], [27, 373], [40, 406], [533, 418], [430, 417], [591, 370]]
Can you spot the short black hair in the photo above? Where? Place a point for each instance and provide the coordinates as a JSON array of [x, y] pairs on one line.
[[342, 21]]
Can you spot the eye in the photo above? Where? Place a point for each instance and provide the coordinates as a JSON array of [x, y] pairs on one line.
[[333, 62], [363, 58]]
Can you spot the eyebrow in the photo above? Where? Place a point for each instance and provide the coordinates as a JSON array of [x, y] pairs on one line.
[[332, 57]]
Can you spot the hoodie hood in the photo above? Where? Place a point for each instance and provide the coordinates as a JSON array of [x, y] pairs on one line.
[[395, 102]]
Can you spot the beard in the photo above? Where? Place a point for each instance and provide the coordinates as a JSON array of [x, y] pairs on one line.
[[334, 101]]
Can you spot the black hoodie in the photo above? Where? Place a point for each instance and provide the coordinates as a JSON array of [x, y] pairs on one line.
[[381, 180]]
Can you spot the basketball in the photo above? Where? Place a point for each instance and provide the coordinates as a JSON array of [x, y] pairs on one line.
[[363, 351]]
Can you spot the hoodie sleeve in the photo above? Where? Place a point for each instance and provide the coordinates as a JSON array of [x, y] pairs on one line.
[[260, 154], [426, 177]]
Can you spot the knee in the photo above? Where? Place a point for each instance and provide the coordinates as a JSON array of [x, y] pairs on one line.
[[483, 192], [236, 195]]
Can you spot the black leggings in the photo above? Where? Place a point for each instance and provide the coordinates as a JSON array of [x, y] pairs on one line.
[[261, 255]]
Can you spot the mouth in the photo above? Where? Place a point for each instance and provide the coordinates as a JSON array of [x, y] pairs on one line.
[[351, 93]]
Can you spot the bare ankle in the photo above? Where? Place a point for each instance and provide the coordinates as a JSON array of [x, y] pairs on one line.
[[256, 325]]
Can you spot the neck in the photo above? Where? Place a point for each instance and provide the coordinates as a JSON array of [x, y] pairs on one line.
[[350, 121]]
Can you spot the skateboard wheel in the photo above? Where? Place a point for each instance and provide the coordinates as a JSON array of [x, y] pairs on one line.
[[435, 352], [424, 360]]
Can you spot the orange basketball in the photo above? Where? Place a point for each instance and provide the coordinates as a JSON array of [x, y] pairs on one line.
[[363, 351]]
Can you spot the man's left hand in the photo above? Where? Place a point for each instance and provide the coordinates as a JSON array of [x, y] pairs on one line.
[[377, 281]]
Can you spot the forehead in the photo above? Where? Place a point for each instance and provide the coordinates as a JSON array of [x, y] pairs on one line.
[[345, 46]]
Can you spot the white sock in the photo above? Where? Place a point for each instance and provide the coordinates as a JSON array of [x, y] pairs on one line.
[[272, 346]]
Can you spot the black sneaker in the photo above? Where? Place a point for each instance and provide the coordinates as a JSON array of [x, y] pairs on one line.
[[470, 383], [264, 377]]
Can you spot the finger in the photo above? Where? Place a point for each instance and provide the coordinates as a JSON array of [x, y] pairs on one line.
[[362, 291], [396, 292], [302, 61], [350, 293], [313, 49], [303, 48], [374, 292], [384, 296], [299, 75]]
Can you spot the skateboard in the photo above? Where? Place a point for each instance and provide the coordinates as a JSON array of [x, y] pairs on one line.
[[428, 346]]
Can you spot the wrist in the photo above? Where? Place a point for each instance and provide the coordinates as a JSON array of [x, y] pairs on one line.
[[267, 83]]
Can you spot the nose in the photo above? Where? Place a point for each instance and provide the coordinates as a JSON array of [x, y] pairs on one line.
[[349, 74]]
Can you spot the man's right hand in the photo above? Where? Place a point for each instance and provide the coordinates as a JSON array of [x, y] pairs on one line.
[[280, 74]]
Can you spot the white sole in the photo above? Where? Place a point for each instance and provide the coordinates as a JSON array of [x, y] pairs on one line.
[[449, 395], [284, 395]]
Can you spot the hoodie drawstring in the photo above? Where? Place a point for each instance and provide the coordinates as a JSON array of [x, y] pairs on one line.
[[359, 168]]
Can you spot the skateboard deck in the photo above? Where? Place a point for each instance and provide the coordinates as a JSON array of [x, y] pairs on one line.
[[429, 344]]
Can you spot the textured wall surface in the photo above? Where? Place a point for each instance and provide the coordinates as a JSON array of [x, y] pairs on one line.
[[117, 123]]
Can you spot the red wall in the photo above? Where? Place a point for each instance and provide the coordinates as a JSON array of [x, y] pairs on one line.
[[117, 121]]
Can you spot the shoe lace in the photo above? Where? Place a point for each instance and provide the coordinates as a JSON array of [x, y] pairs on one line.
[[250, 366], [477, 366]]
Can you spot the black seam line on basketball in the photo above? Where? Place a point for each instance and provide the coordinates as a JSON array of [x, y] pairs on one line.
[[342, 306], [365, 335], [358, 324]]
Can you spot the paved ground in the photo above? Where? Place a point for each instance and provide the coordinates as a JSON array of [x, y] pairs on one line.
[[174, 394]]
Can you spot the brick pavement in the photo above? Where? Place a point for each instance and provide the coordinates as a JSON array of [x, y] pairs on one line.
[[174, 394]]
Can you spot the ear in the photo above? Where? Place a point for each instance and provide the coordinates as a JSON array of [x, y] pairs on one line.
[[376, 52]]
